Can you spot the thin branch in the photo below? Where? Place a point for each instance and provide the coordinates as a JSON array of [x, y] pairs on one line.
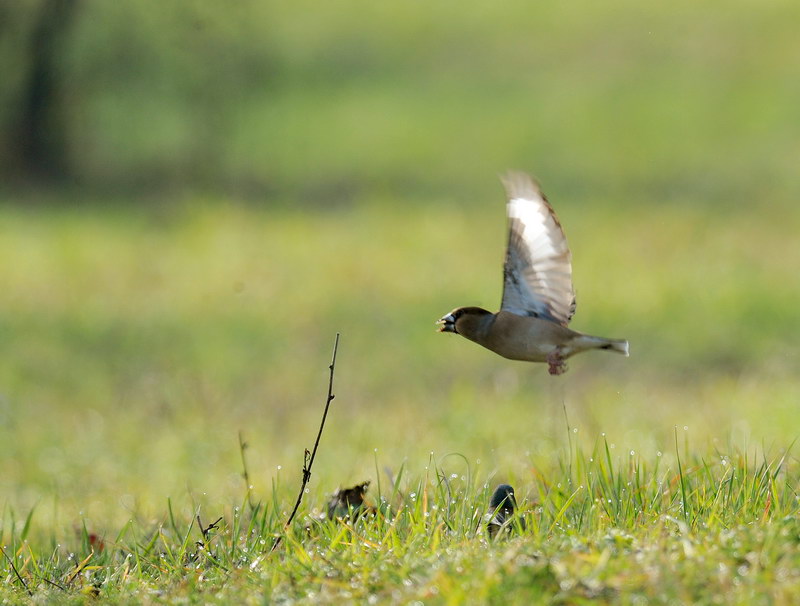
[[308, 458], [205, 531], [242, 446], [53, 583], [16, 572], [204, 544]]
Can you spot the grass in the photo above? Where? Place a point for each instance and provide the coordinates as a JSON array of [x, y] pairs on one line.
[[138, 344], [717, 529]]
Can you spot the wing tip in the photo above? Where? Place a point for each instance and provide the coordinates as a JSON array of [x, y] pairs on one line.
[[520, 184]]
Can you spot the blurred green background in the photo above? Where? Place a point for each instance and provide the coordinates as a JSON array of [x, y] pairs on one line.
[[197, 196]]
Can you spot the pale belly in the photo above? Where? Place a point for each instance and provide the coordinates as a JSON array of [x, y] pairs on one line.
[[528, 339], [527, 352]]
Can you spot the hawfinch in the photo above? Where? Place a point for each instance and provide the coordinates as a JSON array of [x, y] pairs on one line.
[[349, 502], [538, 298], [502, 508]]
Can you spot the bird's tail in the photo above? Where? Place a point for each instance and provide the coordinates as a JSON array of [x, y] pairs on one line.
[[618, 345]]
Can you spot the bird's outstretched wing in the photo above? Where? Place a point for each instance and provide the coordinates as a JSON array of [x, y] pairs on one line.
[[537, 276]]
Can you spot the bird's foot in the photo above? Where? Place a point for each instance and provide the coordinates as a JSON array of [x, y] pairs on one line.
[[556, 364]]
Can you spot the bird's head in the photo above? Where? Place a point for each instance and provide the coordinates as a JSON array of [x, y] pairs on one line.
[[463, 320], [503, 497]]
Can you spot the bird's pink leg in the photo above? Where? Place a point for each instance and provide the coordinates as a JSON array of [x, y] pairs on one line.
[[556, 363]]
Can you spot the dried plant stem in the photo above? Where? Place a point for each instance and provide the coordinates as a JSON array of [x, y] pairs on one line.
[[16, 572], [245, 474], [308, 458]]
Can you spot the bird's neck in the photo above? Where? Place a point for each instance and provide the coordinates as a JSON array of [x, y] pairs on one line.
[[479, 326]]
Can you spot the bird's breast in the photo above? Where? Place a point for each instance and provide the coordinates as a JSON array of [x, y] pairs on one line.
[[524, 337]]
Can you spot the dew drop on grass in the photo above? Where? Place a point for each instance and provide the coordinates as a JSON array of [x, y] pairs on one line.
[[632, 453], [658, 454], [574, 430], [280, 467]]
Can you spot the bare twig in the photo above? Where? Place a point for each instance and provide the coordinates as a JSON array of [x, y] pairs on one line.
[[205, 531], [242, 446], [308, 458], [16, 572], [53, 583], [204, 544]]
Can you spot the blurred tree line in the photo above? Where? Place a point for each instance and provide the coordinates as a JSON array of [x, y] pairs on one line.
[[36, 143], [126, 93], [322, 102]]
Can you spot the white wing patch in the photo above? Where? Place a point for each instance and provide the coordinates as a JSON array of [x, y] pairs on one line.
[[537, 277]]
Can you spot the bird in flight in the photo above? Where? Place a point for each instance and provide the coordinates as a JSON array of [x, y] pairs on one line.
[[538, 297]]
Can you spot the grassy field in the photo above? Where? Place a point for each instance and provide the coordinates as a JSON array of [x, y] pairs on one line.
[[138, 344], [248, 182]]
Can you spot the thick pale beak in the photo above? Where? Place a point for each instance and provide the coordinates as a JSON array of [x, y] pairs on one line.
[[447, 324]]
